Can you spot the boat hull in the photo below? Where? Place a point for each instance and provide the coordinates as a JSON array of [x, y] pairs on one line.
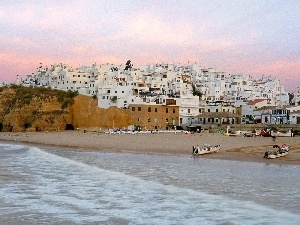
[[281, 134], [206, 150], [282, 151]]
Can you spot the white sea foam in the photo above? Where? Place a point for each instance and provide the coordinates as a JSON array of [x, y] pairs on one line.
[[64, 189], [9, 147]]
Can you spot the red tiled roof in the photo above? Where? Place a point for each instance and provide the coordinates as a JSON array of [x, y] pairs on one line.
[[253, 102], [261, 82]]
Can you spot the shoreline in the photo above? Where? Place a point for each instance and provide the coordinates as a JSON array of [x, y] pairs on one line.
[[248, 149]]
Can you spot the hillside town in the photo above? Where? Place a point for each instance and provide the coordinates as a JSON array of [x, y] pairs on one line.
[[166, 96]]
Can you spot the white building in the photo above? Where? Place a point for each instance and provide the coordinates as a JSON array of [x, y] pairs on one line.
[[295, 117], [249, 111], [188, 109]]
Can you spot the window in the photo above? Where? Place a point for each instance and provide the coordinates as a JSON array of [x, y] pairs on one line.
[[173, 110], [167, 110], [217, 110], [149, 109], [189, 110], [155, 109], [149, 120], [133, 109], [208, 111], [108, 91], [139, 109]]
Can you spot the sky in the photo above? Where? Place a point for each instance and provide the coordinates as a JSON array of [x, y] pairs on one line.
[[257, 38]]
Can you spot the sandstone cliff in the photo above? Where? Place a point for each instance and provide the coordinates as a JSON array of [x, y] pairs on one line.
[[87, 115], [41, 109]]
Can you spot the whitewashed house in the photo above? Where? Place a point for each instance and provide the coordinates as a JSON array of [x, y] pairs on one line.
[[295, 117], [249, 111], [188, 109], [296, 99]]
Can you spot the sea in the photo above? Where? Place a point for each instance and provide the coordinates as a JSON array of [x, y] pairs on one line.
[[53, 185]]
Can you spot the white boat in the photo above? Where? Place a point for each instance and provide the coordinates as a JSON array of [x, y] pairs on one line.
[[281, 134], [207, 149], [254, 133], [237, 133], [281, 151]]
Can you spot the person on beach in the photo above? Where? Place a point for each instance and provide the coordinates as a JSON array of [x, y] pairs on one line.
[[292, 132]]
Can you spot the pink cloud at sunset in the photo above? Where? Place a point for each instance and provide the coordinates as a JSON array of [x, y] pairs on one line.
[[250, 37], [279, 69]]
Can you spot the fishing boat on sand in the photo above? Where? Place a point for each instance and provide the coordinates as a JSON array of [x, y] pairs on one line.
[[281, 133], [206, 149], [233, 134], [281, 151], [265, 133]]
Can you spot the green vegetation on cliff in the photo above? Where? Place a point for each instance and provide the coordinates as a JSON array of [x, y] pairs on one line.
[[23, 95], [36, 108]]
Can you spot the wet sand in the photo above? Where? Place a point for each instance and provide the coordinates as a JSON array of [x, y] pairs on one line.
[[233, 148]]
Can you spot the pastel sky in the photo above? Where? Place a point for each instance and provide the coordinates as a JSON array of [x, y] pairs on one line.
[[259, 38]]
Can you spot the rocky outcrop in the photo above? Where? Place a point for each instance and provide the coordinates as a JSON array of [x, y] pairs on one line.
[[43, 112], [87, 115]]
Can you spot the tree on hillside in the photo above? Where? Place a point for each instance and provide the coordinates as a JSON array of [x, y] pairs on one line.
[[196, 92], [128, 65]]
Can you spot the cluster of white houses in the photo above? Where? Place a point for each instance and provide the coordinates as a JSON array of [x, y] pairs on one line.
[[201, 96]]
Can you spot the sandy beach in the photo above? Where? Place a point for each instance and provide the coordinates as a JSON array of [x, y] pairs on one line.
[[233, 148]]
